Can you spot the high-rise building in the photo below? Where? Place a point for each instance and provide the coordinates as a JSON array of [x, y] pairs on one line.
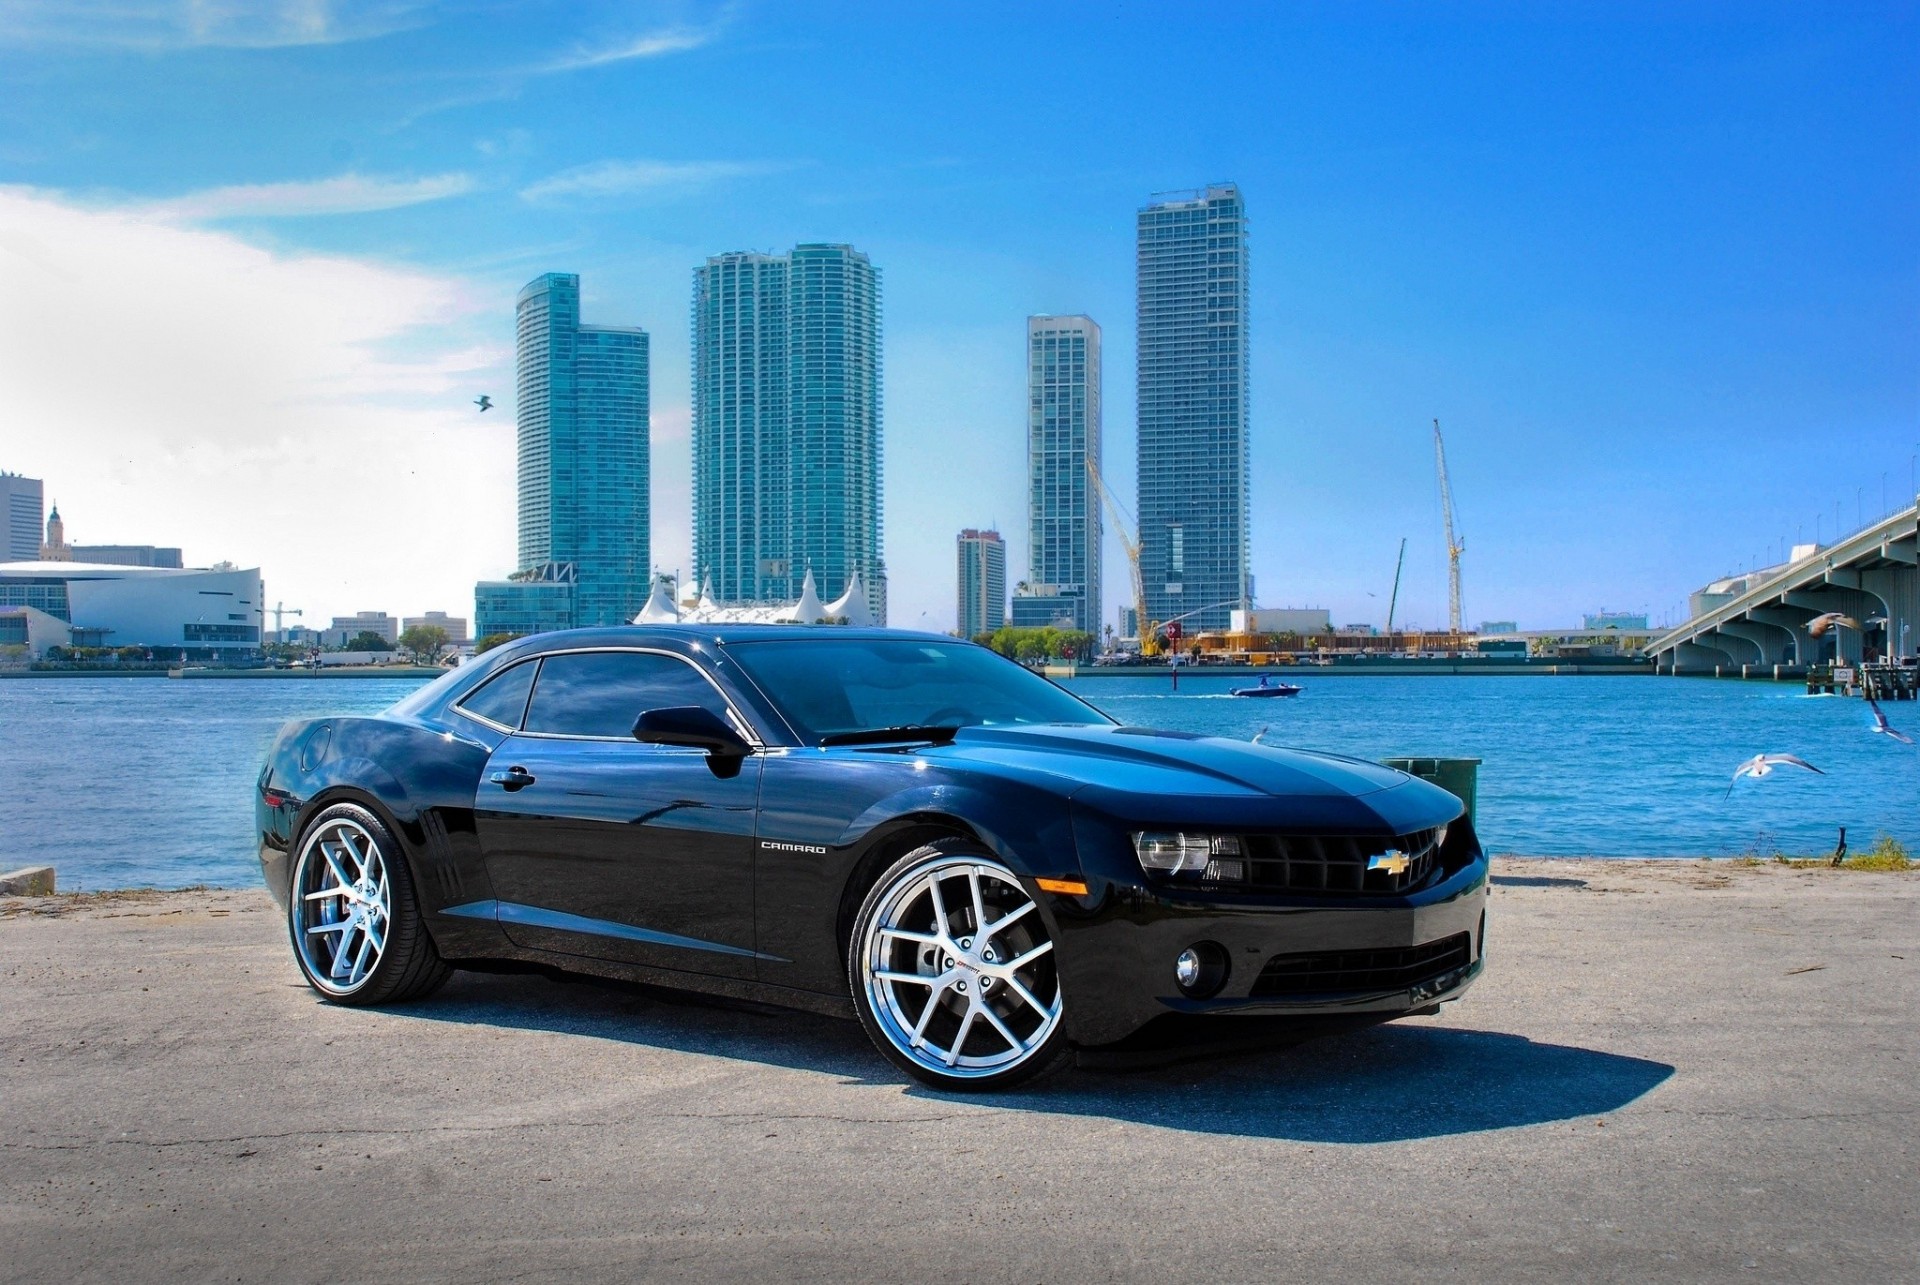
[[22, 509], [1063, 510], [981, 603], [786, 425], [1195, 524], [582, 407]]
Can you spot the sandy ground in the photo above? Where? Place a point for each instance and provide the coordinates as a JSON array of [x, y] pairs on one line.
[[1671, 1070]]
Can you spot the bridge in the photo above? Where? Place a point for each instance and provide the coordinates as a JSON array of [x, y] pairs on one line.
[[1758, 623]]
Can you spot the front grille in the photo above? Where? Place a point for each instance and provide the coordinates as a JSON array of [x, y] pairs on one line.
[[1392, 969], [1320, 863]]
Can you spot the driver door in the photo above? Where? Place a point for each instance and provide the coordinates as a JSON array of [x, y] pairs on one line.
[[602, 846]]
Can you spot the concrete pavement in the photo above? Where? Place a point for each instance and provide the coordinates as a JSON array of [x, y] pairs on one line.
[[1670, 1070]]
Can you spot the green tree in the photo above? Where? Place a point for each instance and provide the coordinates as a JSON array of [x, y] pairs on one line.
[[491, 641], [426, 642], [367, 640]]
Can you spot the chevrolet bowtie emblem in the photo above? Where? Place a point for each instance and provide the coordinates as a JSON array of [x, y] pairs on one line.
[[1393, 861]]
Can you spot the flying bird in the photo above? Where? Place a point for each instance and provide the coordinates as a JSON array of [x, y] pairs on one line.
[[484, 402], [1763, 764], [1818, 626], [1882, 726]]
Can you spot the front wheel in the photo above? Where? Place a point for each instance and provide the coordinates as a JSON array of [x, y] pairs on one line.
[[353, 916], [954, 974]]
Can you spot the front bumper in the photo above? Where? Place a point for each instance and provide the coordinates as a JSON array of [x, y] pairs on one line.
[[1118, 945]]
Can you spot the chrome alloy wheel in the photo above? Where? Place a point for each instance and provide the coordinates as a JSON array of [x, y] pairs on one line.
[[959, 970], [342, 904]]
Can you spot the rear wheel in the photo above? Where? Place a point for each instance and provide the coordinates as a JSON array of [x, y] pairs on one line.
[[953, 972], [353, 916]]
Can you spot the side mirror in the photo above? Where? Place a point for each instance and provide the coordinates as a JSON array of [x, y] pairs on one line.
[[694, 727]]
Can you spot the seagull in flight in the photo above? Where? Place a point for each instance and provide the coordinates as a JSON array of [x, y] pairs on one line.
[[485, 403], [1818, 626], [1763, 764], [1882, 726]]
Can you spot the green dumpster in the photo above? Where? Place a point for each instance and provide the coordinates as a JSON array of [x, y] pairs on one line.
[[1458, 777]]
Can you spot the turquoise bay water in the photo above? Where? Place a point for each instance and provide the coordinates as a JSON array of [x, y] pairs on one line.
[[132, 782]]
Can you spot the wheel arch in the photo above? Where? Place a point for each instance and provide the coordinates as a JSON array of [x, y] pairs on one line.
[[890, 843]]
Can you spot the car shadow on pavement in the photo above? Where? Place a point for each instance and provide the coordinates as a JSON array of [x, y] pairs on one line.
[[1389, 1083]]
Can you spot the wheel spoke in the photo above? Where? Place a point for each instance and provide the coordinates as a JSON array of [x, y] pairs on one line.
[[960, 1040], [979, 906], [1029, 957], [925, 939], [1014, 1042], [1019, 988], [333, 864], [926, 1015], [1009, 918], [939, 907], [918, 979]]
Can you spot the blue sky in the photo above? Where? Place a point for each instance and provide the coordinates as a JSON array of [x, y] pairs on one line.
[[1653, 267]]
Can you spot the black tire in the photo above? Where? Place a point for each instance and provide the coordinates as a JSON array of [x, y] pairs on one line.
[[407, 966], [877, 951]]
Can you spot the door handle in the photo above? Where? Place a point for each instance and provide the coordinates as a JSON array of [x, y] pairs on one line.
[[514, 778]]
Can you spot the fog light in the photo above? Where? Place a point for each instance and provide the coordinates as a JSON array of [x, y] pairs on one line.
[[1200, 970]]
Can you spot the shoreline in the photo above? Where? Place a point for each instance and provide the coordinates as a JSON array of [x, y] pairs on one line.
[[291, 675], [1589, 862]]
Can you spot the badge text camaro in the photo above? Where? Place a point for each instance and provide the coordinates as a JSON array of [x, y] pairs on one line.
[[983, 869]]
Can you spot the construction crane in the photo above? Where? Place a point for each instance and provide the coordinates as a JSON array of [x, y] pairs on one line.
[[1149, 643], [1393, 599], [281, 609], [1455, 547]]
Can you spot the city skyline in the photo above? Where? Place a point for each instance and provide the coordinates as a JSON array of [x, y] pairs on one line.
[[1633, 260]]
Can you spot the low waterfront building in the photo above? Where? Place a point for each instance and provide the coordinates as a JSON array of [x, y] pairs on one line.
[[129, 555], [455, 626], [1305, 621], [204, 612], [345, 629], [536, 601], [850, 608], [1039, 609]]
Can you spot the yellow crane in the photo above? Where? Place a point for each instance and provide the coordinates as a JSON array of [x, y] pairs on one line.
[[1149, 642], [1454, 547]]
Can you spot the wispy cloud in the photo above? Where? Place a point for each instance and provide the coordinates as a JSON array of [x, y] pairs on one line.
[[185, 24], [604, 180], [342, 194], [653, 44]]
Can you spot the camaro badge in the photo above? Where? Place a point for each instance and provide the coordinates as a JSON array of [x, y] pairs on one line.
[[1393, 861]]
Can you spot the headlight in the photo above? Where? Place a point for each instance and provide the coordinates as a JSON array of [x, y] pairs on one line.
[[1172, 853]]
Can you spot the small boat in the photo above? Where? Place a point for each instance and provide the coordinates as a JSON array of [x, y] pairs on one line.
[[1268, 689]]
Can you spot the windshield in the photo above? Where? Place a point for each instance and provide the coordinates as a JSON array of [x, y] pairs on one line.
[[833, 686]]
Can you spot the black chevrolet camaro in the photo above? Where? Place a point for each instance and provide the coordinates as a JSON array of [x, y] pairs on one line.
[[991, 870]]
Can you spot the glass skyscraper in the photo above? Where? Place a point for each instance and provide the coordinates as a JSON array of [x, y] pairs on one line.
[[786, 425], [582, 408], [1192, 387], [980, 605], [1063, 510]]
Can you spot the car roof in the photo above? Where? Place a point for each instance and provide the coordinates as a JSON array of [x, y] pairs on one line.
[[627, 635]]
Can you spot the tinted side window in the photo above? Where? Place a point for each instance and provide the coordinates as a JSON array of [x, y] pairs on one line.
[[503, 698], [601, 693]]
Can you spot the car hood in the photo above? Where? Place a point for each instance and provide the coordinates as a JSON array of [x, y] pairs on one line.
[[1150, 761]]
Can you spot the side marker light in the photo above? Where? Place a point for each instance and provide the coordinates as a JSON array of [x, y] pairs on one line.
[[1071, 887]]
